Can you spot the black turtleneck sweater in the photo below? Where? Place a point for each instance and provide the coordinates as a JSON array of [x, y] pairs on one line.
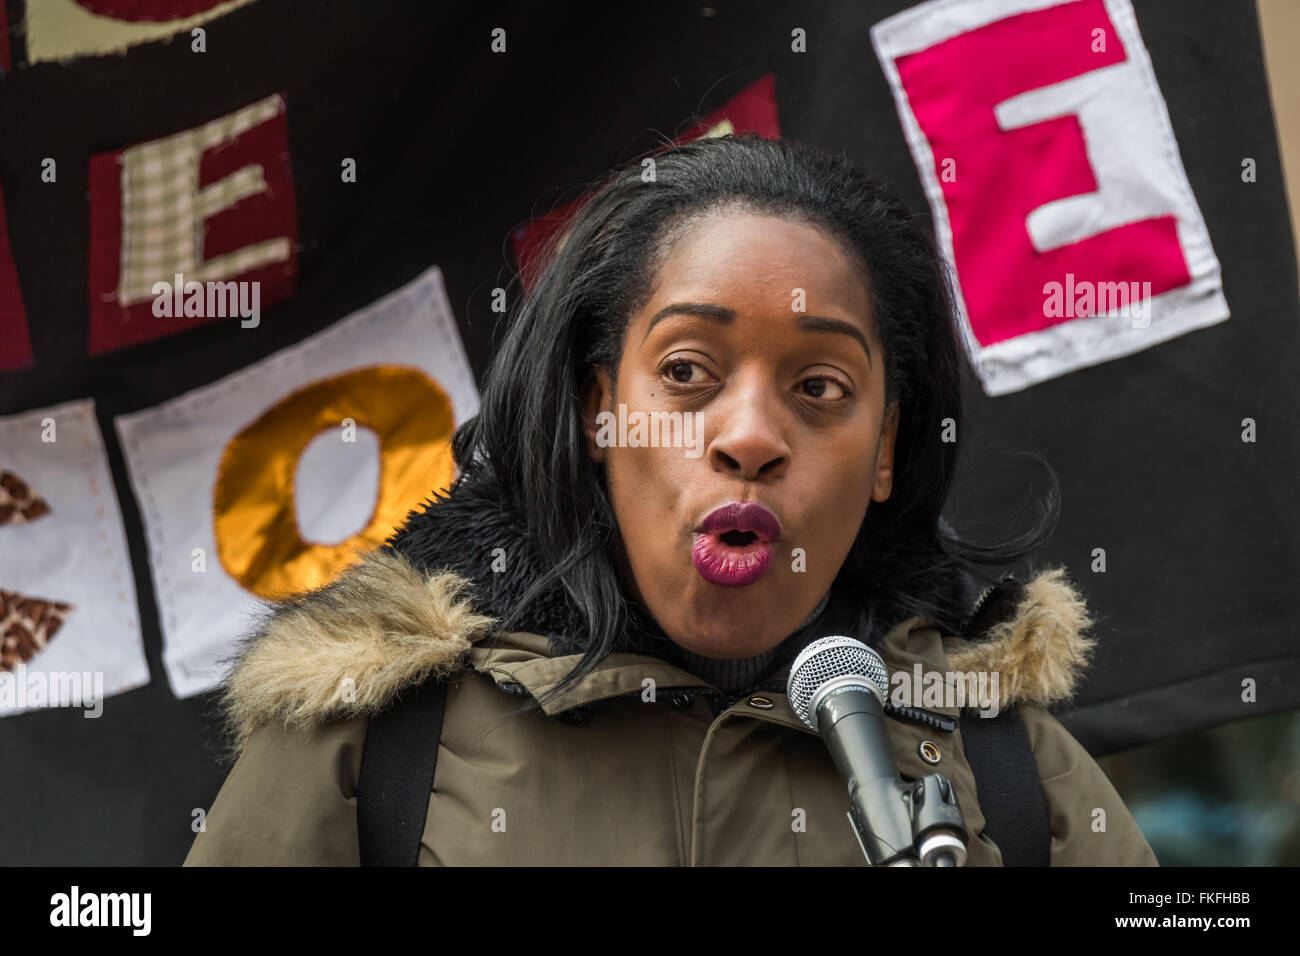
[[735, 676]]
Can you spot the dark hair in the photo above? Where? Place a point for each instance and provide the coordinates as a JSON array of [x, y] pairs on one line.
[[573, 318]]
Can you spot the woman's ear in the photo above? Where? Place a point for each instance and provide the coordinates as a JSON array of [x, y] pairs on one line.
[[596, 397], [885, 455]]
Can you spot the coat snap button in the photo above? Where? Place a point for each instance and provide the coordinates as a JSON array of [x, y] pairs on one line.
[[929, 752], [762, 703], [683, 699]]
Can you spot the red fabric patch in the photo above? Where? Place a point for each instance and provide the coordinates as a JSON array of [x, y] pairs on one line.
[[268, 214], [1003, 175], [15, 343], [5, 63], [753, 109], [148, 11]]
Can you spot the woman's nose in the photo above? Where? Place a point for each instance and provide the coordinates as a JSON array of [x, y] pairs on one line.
[[749, 442]]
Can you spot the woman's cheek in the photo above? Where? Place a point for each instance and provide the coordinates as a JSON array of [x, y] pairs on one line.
[[644, 498]]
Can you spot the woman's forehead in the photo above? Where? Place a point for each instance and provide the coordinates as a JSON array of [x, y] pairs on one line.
[[747, 262]]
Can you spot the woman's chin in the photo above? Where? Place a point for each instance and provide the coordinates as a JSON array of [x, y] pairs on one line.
[[732, 631]]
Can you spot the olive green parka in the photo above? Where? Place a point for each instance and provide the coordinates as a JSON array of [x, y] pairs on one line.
[[631, 766]]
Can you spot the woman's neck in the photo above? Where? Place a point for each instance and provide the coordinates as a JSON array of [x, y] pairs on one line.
[[734, 676]]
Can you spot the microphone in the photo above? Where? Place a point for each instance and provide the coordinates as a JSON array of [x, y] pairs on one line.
[[837, 688]]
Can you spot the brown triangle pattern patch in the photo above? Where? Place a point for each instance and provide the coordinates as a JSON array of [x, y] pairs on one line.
[[26, 626], [18, 504]]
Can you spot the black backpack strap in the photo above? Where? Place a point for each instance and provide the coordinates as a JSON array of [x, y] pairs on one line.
[[999, 751], [1008, 786], [397, 767]]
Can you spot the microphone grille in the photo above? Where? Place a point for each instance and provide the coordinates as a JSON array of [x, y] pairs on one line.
[[826, 659]]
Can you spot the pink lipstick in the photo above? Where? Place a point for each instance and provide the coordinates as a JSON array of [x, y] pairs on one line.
[[733, 545]]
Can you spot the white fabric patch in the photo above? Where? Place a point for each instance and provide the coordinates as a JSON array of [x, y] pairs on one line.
[[1133, 156], [74, 554], [173, 453]]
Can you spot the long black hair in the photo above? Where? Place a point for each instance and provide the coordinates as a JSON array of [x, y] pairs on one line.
[[572, 317]]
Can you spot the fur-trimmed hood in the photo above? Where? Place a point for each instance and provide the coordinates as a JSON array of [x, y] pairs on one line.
[[417, 606]]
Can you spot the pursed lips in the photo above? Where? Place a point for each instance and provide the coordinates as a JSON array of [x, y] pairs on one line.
[[743, 516], [734, 543]]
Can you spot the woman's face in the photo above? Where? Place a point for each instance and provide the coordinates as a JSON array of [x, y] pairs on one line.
[[758, 332]]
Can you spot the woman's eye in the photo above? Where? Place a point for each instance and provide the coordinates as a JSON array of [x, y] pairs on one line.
[[824, 388], [680, 371], [821, 387]]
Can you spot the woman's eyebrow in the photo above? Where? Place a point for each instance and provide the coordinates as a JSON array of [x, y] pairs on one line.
[[724, 316], [715, 313]]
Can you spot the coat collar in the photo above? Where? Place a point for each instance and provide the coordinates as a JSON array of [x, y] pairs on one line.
[[520, 660], [426, 605], [1039, 650]]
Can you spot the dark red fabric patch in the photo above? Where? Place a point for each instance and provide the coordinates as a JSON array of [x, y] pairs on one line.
[[148, 11], [15, 343], [753, 109], [268, 214], [5, 62]]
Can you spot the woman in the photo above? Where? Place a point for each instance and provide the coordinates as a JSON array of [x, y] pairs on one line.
[[646, 598]]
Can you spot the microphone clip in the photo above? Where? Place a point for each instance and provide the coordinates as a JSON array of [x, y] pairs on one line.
[[938, 829]]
